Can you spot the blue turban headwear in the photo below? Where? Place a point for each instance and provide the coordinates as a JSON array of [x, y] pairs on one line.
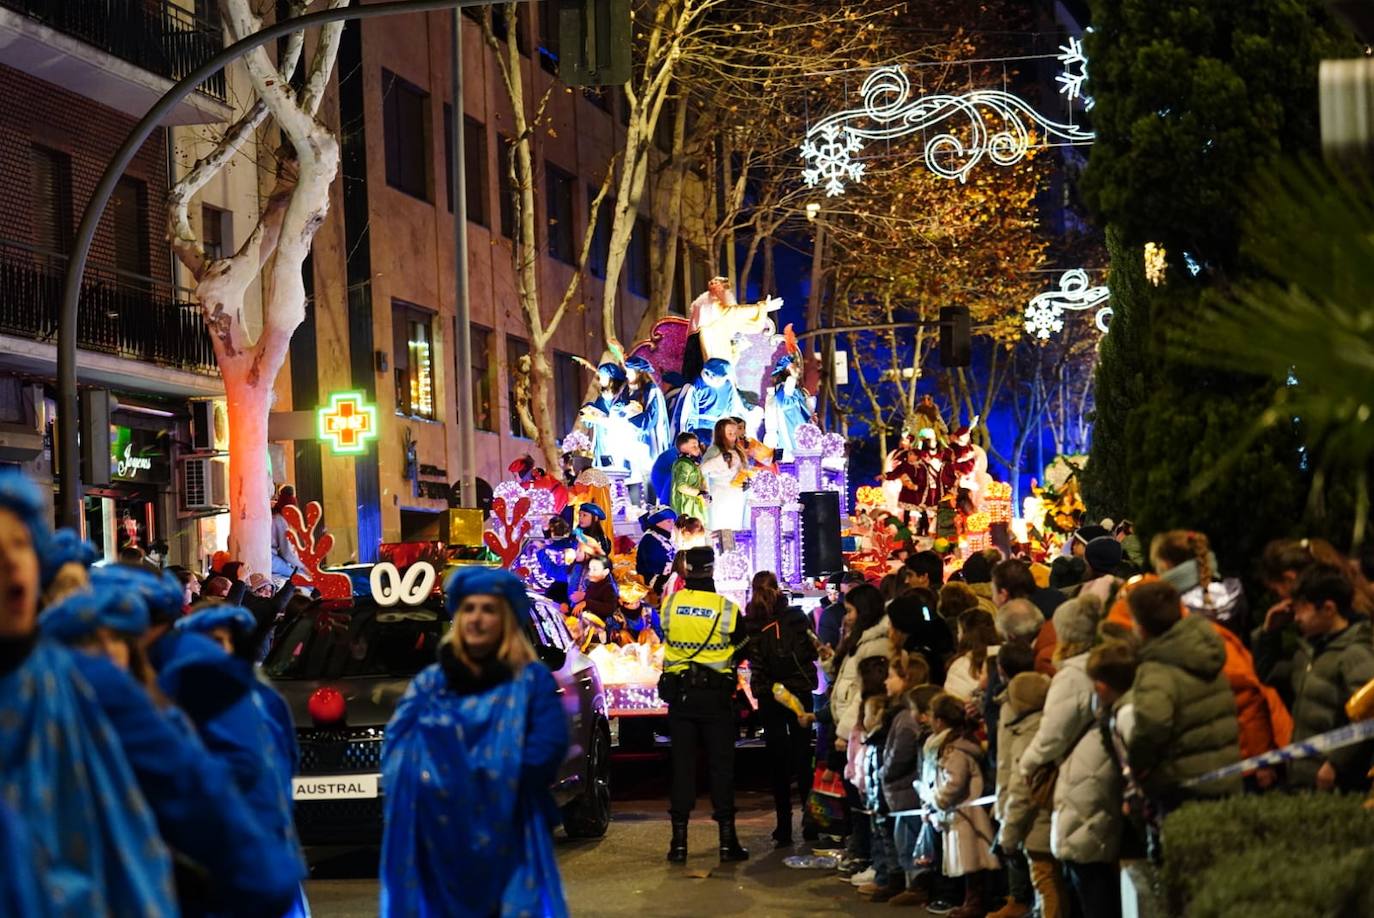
[[785, 361], [639, 364], [658, 516], [64, 547], [487, 581], [21, 497], [717, 365], [78, 614], [592, 508], [235, 618], [614, 370], [163, 593]]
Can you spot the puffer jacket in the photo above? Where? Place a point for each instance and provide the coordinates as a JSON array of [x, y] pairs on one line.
[[1024, 825], [902, 763], [968, 833], [1068, 712], [1185, 714], [845, 697], [1087, 822], [1264, 721], [1325, 674]]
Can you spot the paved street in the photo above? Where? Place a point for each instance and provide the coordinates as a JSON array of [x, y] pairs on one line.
[[625, 873]]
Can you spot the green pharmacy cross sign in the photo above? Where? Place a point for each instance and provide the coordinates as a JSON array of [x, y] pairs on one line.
[[348, 422]]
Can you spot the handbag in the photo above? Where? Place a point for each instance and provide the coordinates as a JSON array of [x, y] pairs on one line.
[[825, 805], [1043, 780]]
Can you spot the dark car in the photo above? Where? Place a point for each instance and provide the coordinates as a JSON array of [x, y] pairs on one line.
[[368, 653]]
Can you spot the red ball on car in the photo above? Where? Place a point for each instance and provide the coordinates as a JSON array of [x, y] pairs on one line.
[[326, 706]]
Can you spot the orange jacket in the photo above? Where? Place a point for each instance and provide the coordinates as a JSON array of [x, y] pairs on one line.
[[1265, 723]]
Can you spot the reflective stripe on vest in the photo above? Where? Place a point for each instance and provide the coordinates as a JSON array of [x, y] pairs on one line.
[[689, 622]]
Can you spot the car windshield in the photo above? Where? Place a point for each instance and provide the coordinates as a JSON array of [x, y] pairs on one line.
[[357, 641]]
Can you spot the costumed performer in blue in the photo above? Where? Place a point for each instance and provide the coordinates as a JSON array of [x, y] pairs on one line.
[[654, 555], [467, 763], [89, 838], [592, 542], [556, 557], [788, 407], [643, 406], [711, 397], [225, 863], [605, 415]]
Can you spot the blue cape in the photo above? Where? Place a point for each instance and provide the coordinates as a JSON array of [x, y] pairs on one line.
[[62, 766], [662, 475], [468, 810]]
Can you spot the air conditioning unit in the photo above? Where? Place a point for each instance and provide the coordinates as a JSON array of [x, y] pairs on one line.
[[209, 426], [205, 483]]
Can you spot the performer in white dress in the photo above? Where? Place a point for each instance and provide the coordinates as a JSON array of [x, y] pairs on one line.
[[726, 467]]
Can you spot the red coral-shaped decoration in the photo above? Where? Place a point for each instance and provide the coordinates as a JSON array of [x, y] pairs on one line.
[[510, 539], [313, 550]]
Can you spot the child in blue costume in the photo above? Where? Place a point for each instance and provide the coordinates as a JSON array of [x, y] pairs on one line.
[[467, 763], [199, 812], [87, 833]]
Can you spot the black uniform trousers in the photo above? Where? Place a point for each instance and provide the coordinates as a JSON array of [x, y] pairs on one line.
[[788, 745], [702, 717]]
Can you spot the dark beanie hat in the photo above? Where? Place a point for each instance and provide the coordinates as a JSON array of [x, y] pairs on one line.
[[908, 613], [976, 569], [1103, 554]]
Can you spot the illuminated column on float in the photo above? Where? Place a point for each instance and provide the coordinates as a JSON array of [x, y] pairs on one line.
[[810, 446], [835, 469], [790, 497], [765, 518]]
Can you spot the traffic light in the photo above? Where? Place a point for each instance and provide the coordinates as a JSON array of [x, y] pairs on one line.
[[955, 349], [96, 407], [594, 42]]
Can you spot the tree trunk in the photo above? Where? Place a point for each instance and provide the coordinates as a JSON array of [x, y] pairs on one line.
[[541, 407], [250, 479]]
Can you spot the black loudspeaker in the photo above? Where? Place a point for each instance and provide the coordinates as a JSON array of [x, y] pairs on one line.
[[956, 348], [820, 521]]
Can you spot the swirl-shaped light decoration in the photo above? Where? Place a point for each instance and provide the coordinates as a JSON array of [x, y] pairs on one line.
[[765, 488], [833, 445], [809, 438], [1045, 313], [888, 112]]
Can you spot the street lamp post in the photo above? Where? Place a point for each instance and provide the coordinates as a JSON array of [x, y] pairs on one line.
[[69, 503]]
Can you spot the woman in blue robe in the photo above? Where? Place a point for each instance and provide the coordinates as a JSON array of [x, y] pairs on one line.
[[641, 402], [467, 763], [789, 407], [199, 811], [96, 844]]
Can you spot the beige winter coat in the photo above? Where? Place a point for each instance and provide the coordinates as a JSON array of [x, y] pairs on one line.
[[1023, 823], [968, 829], [1087, 822], [846, 698]]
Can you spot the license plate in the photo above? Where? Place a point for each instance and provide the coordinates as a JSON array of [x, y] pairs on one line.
[[335, 787]]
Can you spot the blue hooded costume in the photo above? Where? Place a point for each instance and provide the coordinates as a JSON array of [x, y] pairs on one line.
[[711, 397], [467, 764], [199, 812], [87, 836], [251, 731]]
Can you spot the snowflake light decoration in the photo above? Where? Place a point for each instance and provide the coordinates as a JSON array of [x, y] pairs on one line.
[[1075, 73], [733, 567], [831, 159], [1044, 315], [959, 130]]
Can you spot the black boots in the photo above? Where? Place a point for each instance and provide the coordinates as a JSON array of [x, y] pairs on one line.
[[730, 849], [677, 848], [782, 835]]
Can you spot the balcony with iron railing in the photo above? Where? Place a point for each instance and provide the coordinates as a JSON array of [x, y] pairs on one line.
[[67, 42], [120, 314]]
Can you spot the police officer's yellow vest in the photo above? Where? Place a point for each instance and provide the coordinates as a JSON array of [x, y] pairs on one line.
[[690, 622]]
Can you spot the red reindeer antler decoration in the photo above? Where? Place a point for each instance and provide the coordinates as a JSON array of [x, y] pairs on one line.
[[513, 530], [313, 550]]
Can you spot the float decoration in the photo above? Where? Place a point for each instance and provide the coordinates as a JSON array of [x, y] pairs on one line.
[[313, 549], [507, 535]]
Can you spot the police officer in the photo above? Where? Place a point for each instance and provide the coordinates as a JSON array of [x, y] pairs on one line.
[[701, 631]]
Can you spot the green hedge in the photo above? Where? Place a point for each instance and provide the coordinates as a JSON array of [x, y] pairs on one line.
[[1271, 856]]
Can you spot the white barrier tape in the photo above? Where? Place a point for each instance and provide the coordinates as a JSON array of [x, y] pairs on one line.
[[988, 800], [1311, 747]]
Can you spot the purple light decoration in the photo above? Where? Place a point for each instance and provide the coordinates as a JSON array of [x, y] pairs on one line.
[[837, 480], [577, 442], [529, 560], [733, 567], [809, 471], [791, 489], [766, 488], [833, 446], [810, 439], [767, 526]]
